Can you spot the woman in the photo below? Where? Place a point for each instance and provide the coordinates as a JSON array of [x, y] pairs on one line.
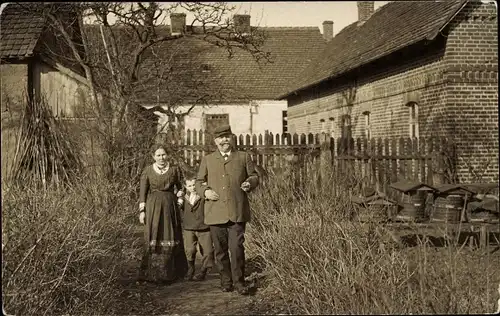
[[158, 211]]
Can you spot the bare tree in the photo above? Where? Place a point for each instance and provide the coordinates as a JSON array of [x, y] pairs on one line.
[[132, 58]]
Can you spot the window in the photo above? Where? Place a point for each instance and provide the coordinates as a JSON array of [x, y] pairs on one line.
[[212, 121], [332, 126], [285, 121], [323, 125], [413, 122], [346, 131], [368, 130], [345, 134]]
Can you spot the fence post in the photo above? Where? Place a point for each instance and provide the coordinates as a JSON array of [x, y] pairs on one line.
[[325, 158]]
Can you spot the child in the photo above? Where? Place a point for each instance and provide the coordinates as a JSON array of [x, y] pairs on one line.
[[194, 231]]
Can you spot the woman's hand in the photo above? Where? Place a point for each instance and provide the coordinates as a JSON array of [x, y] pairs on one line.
[[142, 214], [245, 186], [180, 193]]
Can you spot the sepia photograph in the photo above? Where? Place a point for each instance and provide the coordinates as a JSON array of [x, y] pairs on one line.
[[250, 158]]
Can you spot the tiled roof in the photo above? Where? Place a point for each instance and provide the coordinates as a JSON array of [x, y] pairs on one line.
[[292, 49], [23, 25], [407, 186], [392, 27], [19, 32], [194, 65]]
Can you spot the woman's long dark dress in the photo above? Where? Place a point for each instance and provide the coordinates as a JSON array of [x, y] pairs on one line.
[[162, 231]]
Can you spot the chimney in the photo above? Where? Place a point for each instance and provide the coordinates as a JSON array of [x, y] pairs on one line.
[[365, 10], [177, 23], [242, 23], [328, 30]]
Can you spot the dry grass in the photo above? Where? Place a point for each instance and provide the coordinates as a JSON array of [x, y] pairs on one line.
[[64, 246], [319, 262], [63, 249]]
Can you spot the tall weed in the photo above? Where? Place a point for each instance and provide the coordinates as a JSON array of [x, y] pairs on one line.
[[63, 249], [322, 261]]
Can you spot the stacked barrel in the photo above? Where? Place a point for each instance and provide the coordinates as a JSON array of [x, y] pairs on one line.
[[419, 202], [414, 200], [413, 207], [449, 203]]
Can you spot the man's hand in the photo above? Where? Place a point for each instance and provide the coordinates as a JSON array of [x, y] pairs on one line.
[[142, 216], [245, 186], [211, 195]]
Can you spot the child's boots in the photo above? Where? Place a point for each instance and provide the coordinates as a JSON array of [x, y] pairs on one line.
[[190, 271]]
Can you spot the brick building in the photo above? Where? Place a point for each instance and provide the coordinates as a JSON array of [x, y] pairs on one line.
[[411, 69]]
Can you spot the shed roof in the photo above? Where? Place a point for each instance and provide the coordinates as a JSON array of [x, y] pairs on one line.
[[454, 189], [407, 186], [25, 31], [19, 32]]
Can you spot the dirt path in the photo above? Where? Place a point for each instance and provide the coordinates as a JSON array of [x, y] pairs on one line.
[[186, 297], [181, 297]]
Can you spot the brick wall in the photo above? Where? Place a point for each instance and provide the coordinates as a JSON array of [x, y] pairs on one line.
[[384, 94], [472, 90], [454, 81]]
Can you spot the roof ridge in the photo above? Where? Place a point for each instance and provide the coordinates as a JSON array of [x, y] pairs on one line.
[[289, 27], [263, 27], [356, 45]]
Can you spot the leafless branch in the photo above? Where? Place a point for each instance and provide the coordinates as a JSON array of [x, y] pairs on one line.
[[135, 58]]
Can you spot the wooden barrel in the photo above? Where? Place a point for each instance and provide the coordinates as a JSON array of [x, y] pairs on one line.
[[413, 207], [447, 209]]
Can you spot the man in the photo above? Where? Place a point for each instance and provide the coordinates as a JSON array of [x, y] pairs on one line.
[[224, 179]]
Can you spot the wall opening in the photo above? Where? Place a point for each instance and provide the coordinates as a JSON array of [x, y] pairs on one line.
[[413, 127], [367, 126]]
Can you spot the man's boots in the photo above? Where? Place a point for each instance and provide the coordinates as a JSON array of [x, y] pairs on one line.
[[201, 275], [190, 271]]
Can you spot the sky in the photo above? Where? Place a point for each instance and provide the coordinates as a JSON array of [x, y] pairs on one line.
[[301, 13], [298, 13]]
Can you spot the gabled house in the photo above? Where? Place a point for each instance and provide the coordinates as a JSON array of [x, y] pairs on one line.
[[409, 69], [249, 88], [216, 87], [35, 60]]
